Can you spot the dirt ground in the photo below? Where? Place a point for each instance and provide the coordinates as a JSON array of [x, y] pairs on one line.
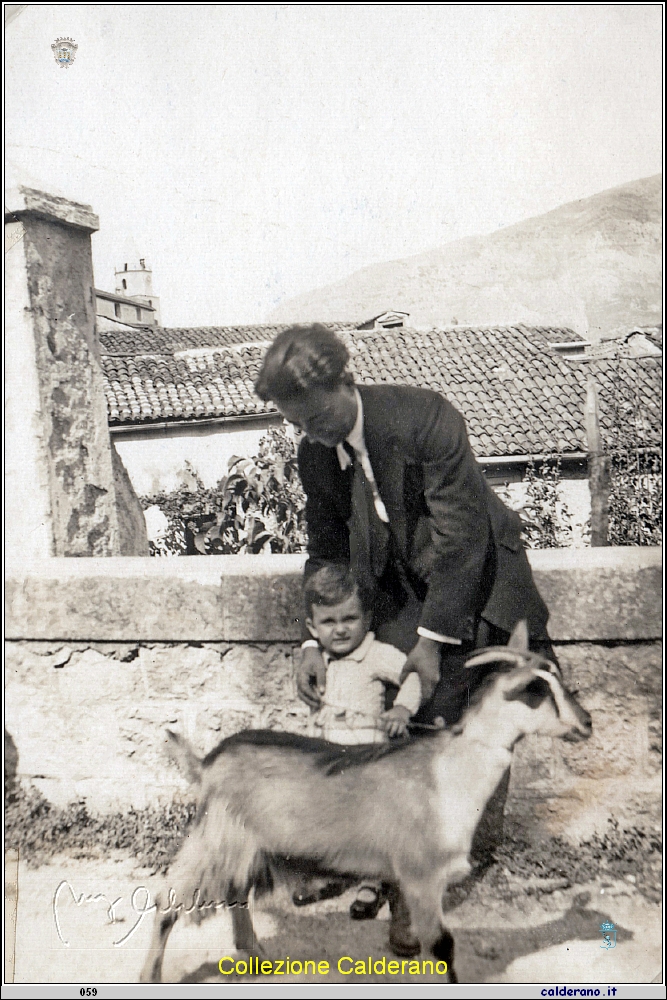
[[85, 921]]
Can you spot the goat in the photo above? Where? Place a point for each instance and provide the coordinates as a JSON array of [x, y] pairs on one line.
[[272, 801]]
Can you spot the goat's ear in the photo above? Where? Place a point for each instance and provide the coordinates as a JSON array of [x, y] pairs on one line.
[[532, 693], [519, 637]]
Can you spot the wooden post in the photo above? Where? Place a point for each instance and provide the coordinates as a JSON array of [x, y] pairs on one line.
[[599, 478]]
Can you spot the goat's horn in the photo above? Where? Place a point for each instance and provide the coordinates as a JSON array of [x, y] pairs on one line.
[[501, 654]]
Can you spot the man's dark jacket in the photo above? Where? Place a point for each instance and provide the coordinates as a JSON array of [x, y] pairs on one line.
[[454, 534]]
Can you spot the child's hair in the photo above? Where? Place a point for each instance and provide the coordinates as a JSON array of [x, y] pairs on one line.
[[333, 584]]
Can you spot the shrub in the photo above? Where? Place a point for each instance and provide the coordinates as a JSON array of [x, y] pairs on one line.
[[258, 507], [546, 518], [40, 830], [635, 498]]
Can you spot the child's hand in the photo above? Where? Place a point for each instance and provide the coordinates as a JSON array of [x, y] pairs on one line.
[[396, 720]]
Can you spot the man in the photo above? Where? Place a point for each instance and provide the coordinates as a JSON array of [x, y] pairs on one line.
[[392, 486]]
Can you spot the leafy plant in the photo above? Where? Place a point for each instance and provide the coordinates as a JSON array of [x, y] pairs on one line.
[[635, 499], [258, 507], [546, 517]]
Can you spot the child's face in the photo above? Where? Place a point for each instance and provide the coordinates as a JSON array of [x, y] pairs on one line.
[[340, 628]]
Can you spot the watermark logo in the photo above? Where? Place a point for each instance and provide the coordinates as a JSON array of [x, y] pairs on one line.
[[608, 932], [64, 50]]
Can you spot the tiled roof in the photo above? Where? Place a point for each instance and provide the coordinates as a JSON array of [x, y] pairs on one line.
[[161, 387], [517, 395], [168, 340], [629, 392]]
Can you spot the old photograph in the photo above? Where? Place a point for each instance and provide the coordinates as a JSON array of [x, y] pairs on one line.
[[333, 498]]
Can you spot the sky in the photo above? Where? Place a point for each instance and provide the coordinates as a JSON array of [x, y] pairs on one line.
[[250, 152]]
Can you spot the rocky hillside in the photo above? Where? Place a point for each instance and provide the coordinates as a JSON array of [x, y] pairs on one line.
[[594, 265]]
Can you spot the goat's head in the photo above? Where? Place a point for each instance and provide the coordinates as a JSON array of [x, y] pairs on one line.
[[534, 688]]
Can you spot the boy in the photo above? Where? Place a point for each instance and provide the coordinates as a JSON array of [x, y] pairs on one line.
[[359, 670]]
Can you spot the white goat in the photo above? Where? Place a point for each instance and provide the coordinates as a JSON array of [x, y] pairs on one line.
[[274, 801]]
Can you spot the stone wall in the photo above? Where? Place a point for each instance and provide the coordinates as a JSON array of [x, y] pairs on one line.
[[105, 707], [104, 654], [574, 788]]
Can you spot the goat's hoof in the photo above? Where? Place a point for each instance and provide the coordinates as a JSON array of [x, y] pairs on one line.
[[403, 942]]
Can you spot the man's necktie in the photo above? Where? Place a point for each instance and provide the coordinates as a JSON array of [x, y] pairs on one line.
[[370, 540]]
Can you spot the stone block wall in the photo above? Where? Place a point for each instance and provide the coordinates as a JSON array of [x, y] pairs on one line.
[[105, 654], [572, 789], [89, 718]]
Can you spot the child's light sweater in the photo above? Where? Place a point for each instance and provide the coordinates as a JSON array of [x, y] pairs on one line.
[[355, 691]]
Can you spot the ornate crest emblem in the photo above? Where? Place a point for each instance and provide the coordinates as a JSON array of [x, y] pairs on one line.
[[64, 50], [608, 932]]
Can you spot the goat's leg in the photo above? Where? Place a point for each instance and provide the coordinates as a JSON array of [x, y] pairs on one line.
[[402, 939], [488, 834], [423, 898], [244, 932], [152, 970]]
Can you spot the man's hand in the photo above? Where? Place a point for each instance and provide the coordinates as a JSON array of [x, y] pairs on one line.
[[311, 673], [395, 721], [425, 661]]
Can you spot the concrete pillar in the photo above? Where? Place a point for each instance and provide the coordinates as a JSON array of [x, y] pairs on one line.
[[60, 490]]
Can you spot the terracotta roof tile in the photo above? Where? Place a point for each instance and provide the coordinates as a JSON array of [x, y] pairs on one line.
[[516, 395], [167, 340]]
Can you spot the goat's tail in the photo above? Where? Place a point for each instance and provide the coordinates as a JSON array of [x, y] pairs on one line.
[[182, 754]]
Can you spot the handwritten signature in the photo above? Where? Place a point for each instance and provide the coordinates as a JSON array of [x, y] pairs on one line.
[[140, 901]]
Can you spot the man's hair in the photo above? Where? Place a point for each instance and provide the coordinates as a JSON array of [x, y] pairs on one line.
[[333, 584], [299, 359]]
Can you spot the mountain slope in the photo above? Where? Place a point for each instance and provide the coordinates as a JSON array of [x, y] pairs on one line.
[[594, 265]]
